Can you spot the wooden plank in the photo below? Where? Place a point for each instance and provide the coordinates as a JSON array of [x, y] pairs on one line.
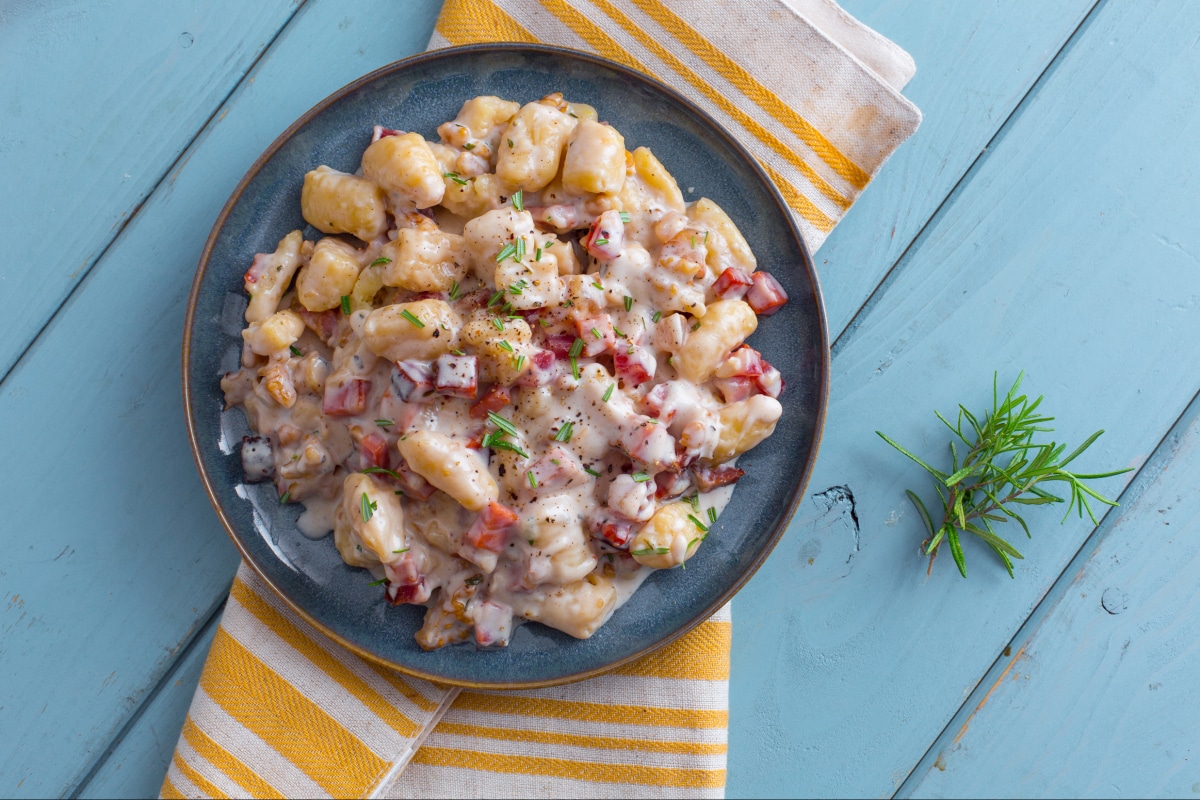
[[975, 61], [139, 759], [99, 100], [1071, 252], [1097, 697], [113, 555]]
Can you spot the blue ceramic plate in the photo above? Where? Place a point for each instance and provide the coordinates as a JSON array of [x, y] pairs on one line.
[[417, 94]]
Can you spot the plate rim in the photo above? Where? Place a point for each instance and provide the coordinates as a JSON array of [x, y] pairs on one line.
[[824, 367]]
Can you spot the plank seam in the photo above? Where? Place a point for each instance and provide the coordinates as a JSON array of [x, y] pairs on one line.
[[1146, 474], [211, 619], [179, 160], [897, 269]]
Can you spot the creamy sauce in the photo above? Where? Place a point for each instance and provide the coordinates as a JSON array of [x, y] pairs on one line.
[[516, 405]]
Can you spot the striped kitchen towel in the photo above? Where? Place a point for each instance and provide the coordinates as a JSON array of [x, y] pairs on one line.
[[283, 711]]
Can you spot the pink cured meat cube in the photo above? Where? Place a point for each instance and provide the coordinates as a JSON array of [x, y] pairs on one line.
[[406, 584], [543, 367], [709, 478], [346, 398], [560, 344], [770, 382], [614, 530], [732, 284], [766, 296], [491, 528], [493, 624], [593, 344], [412, 381], [379, 132], [736, 388], [457, 376], [634, 365], [606, 237]]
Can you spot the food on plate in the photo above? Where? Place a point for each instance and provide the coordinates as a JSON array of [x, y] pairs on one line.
[[508, 369]]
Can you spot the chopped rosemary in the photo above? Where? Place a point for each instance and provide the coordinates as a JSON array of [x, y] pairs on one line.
[[295, 350], [497, 324], [696, 325], [501, 423], [346, 305], [402, 550], [518, 362], [640, 477], [283, 498], [608, 392], [368, 507], [520, 249], [574, 368], [628, 303], [598, 285], [657, 316], [458, 352], [532, 479], [650, 551], [597, 333], [624, 217], [504, 343], [411, 317], [384, 423], [576, 348], [496, 297], [455, 292], [603, 240], [564, 432], [620, 333], [454, 176], [474, 580], [500, 444], [712, 514], [381, 260], [384, 470], [518, 201], [506, 251], [591, 472], [469, 146], [698, 523], [378, 582], [537, 254]]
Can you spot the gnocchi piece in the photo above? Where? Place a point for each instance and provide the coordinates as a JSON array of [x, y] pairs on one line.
[[727, 246], [650, 189], [425, 260], [405, 167], [745, 424], [669, 539], [330, 273], [724, 326], [489, 234], [481, 119], [530, 283], [577, 609], [504, 355], [335, 202], [451, 466], [270, 275], [470, 197], [531, 148], [374, 518], [595, 159], [274, 333], [423, 329]]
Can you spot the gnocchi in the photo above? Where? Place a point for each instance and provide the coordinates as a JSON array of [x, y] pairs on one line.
[[512, 377]]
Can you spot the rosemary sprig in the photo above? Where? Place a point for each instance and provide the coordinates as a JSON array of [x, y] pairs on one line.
[[1002, 468]]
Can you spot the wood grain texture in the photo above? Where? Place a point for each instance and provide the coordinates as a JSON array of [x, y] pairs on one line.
[[975, 61], [139, 759], [1097, 697], [111, 554], [1069, 253], [97, 102]]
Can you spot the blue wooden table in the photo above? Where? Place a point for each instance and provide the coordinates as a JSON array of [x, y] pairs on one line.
[[1043, 218]]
